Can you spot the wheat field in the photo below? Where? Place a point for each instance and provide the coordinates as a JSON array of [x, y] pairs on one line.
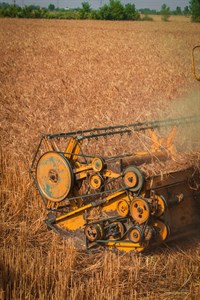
[[58, 76]]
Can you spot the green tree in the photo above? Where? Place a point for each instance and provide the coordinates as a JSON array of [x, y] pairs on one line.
[[10, 11], [178, 11], [105, 13], [113, 11], [117, 10], [165, 12], [195, 10], [85, 10], [51, 7], [186, 11], [130, 12]]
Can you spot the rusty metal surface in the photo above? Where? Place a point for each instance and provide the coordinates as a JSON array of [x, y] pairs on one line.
[[54, 176]]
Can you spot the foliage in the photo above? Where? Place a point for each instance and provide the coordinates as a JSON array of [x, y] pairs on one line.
[[130, 12], [69, 14], [178, 11], [113, 11], [116, 11], [147, 11], [104, 13], [165, 12], [186, 11], [13, 11], [146, 17], [51, 7], [195, 10], [85, 10]]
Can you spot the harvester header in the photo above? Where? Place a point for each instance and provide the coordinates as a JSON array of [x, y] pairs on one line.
[[109, 196]]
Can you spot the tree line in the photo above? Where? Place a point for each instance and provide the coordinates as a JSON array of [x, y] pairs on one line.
[[115, 10]]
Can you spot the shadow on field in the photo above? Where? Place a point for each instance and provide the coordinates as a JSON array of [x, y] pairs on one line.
[[7, 279], [185, 243]]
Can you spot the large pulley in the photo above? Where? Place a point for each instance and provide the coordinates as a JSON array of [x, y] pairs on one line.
[[136, 234], [140, 210], [133, 178], [93, 232], [54, 176]]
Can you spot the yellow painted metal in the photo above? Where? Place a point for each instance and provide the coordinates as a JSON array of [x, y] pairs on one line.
[[161, 206], [50, 145], [95, 181], [112, 200], [47, 144], [73, 223], [139, 210], [93, 232], [81, 175], [162, 230], [123, 208], [110, 174], [194, 50], [54, 145], [97, 164], [130, 179], [135, 235], [125, 246], [115, 195], [54, 176], [72, 149], [140, 157], [73, 220], [81, 172], [52, 204], [82, 168]]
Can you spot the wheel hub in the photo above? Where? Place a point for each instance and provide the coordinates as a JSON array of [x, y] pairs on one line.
[[54, 176]]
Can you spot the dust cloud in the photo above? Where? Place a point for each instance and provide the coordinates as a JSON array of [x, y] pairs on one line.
[[188, 134]]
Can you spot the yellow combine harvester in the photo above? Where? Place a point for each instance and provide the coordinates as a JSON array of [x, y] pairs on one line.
[[108, 197], [195, 52]]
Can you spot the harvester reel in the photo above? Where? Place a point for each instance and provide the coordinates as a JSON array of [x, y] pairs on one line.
[[54, 176], [140, 210], [116, 204], [133, 178]]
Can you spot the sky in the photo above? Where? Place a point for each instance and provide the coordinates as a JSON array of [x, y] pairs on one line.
[[152, 4]]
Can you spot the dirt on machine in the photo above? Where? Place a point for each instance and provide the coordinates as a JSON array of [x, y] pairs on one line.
[[90, 183]]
